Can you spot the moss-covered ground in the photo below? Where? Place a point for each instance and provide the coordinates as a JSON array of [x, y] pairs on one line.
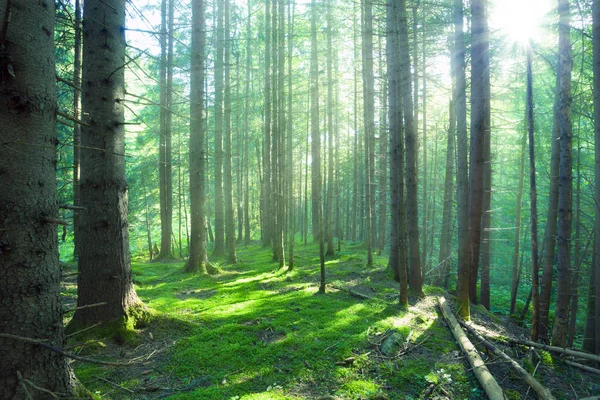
[[256, 332]]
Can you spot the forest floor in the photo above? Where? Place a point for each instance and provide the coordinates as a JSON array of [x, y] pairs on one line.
[[256, 332]]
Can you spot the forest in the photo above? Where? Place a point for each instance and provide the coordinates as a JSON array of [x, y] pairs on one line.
[[283, 199]]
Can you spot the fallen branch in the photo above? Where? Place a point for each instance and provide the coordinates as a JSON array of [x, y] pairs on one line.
[[86, 306], [353, 293], [71, 207], [543, 392], [485, 378], [40, 342], [554, 349], [583, 367], [115, 385]]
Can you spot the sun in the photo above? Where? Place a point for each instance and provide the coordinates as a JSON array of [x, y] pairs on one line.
[[519, 20]]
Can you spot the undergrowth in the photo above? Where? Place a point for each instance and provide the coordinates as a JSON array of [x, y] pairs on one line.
[[256, 332]]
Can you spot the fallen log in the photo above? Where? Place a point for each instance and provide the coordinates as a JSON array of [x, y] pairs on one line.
[[353, 293], [542, 391], [554, 349], [485, 378], [583, 367]]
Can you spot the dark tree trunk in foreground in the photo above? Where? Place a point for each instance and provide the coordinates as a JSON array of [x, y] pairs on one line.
[[415, 275], [480, 131], [462, 179], [76, 127], [591, 340], [565, 191], [104, 261], [198, 260], [29, 268], [397, 260]]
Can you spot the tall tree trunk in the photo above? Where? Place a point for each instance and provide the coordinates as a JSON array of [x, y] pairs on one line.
[[480, 130], [592, 337], [446, 234], [246, 128], [198, 260], [415, 276], [355, 163], [104, 262], [219, 249], [227, 167], [462, 179], [369, 118], [289, 142], [382, 167], [330, 129], [397, 259], [164, 148], [316, 142], [486, 225], [29, 267], [549, 245], [515, 269], [564, 228], [533, 203], [424, 201], [76, 127]]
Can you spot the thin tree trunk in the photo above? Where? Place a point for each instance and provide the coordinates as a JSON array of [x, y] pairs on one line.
[[369, 118], [289, 143], [316, 143], [446, 234], [330, 107], [533, 203], [515, 269], [76, 127], [246, 128]]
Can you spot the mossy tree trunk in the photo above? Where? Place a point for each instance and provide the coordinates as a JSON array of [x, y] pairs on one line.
[[104, 260], [30, 300]]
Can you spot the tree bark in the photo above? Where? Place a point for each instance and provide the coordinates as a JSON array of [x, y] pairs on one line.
[[227, 167], [29, 268], [198, 260], [412, 215], [330, 106], [397, 259], [104, 261], [462, 179], [480, 131], [565, 191], [76, 127], [533, 204]]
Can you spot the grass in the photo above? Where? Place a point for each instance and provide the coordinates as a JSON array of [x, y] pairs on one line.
[[256, 332]]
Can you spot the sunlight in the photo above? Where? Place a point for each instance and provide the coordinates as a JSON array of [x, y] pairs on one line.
[[519, 20]]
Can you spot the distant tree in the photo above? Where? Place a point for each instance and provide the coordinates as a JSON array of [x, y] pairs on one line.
[[104, 260], [329, 231], [565, 192], [29, 268]]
